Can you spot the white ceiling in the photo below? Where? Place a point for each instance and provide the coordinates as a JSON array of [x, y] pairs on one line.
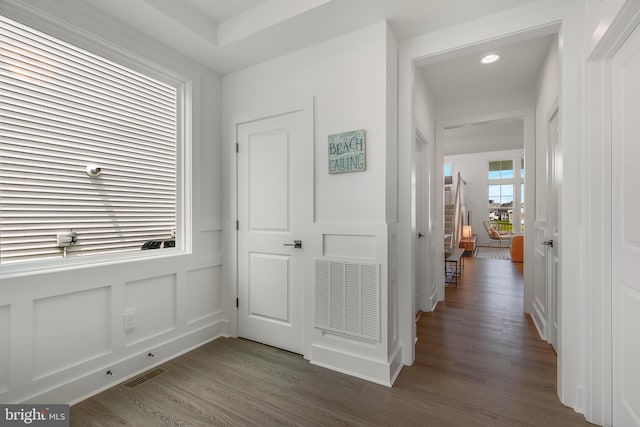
[[219, 10], [228, 35], [464, 77]]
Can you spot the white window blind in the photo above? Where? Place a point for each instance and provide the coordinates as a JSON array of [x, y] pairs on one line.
[[63, 108]]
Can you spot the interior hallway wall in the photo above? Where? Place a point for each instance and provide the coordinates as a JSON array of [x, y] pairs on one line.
[[353, 88]]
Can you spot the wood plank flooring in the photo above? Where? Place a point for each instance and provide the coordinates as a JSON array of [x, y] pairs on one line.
[[479, 362]]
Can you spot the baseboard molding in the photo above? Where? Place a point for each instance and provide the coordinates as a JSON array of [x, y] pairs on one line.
[[375, 371], [538, 320], [396, 365], [97, 381], [433, 301]]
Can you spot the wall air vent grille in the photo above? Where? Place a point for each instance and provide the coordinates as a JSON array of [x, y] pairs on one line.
[[347, 298]]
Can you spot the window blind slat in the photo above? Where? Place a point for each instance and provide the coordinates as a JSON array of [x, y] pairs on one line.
[[119, 170], [50, 50], [64, 108], [67, 108], [37, 80]]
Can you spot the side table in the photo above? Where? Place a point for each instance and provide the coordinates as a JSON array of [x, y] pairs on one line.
[[469, 244]]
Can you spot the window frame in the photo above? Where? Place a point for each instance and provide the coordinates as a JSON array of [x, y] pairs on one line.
[[501, 178], [499, 182], [92, 43], [444, 168], [502, 184]]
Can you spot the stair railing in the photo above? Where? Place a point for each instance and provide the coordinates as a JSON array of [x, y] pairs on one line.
[[457, 212]]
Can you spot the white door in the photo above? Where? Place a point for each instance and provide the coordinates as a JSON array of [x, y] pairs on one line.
[[552, 241], [270, 214], [546, 235], [625, 236], [424, 282]]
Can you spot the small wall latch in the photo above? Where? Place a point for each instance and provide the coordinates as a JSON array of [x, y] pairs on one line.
[[67, 239]]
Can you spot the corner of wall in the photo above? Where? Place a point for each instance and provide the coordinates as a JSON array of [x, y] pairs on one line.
[[376, 371]]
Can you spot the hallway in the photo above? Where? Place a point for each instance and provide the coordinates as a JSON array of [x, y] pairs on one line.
[[478, 355]]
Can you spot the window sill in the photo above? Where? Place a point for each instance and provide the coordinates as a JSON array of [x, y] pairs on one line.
[[9, 271]]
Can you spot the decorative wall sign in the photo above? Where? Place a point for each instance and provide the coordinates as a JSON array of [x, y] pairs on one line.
[[347, 152]]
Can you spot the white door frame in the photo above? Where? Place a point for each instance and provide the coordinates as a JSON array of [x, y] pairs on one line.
[[230, 273], [525, 22], [599, 85], [552, 229]]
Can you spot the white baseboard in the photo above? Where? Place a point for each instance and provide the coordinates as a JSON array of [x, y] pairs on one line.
[[539, 320], [97, 381], [433, 301], [379, 372]]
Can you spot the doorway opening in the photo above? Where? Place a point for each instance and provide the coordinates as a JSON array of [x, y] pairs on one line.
[[487, 118]]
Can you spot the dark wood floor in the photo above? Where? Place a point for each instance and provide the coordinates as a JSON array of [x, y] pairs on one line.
[[479, 362]]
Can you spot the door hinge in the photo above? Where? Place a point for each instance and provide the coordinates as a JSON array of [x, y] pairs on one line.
[[237, 147], [237, 302], [237, 225]]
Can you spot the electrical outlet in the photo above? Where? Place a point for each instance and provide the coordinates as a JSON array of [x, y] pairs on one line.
[[129, 321]]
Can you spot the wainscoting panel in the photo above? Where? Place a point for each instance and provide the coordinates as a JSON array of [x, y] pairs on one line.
[[154, 303], [204, 293], [60, 320], [349, 246], [347, 298], [630, 357]]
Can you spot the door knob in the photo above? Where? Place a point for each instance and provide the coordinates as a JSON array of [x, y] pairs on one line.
[[548, 243], [420, 235], [297, 244]]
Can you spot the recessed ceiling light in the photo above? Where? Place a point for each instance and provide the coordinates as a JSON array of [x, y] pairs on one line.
[[490, 59]]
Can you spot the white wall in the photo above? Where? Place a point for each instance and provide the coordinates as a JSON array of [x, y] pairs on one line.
[[599, 17], [498, 103], [349, 80], [60, 331], [393, 315], [474, 170], [424, 109], [571, 249]]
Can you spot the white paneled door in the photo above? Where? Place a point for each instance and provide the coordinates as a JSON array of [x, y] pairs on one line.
[[546, 235], [552, 241], [424, 257], [625, 236], [270, 235]]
